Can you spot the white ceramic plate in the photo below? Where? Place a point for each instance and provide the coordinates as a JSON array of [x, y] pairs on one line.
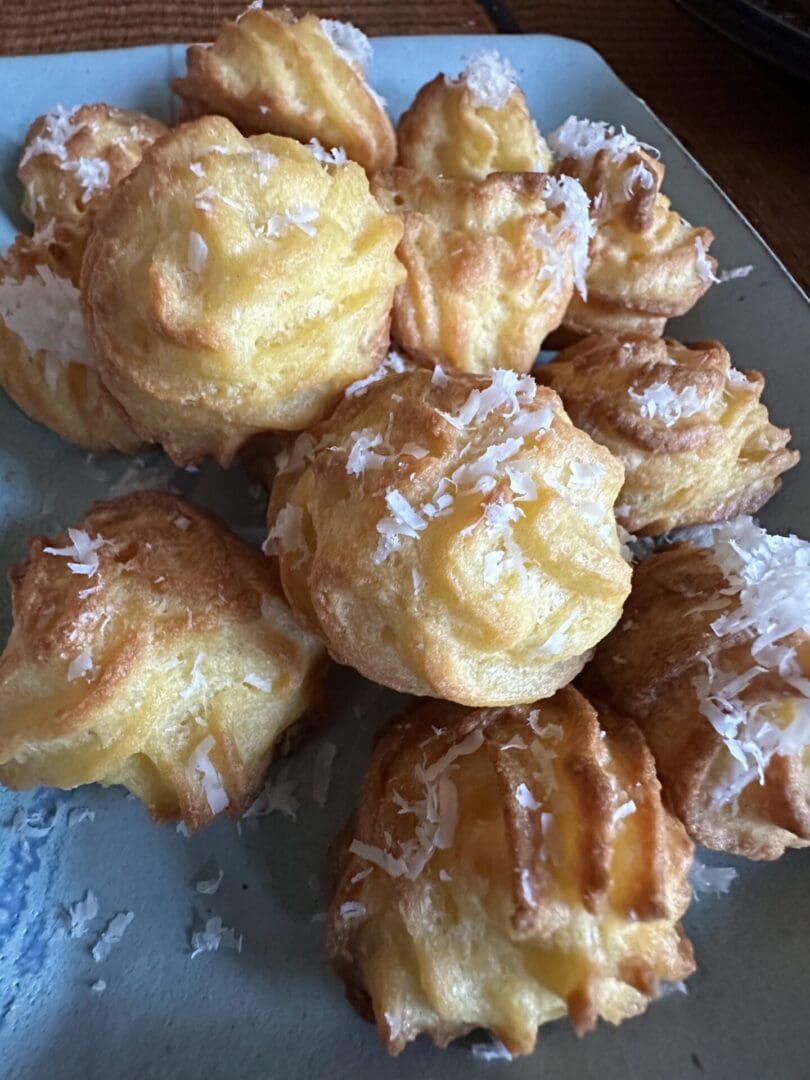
[[275, 1010]]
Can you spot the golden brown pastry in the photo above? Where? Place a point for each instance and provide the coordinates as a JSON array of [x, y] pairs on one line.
[[647, 264], [72, 158], [151, 648], [507, 867], [491, 264], [46, 364], [695, 441], [270, 71], [472, 126], [712, 660], [452, 535], [233, 286]]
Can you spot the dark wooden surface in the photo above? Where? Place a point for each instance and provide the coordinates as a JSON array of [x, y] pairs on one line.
[[745, 121]]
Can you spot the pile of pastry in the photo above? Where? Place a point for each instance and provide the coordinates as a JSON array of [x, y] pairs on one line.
[[443, 518]]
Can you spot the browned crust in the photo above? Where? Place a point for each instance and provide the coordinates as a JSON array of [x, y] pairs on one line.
[[652, 855], [647, 666], [160, 589]]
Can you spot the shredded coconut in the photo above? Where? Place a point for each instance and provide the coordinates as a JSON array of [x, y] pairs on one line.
[[209, 886], [639, 175], [43, 311], [213, 936], [335, 156], [111, 935], [322, 772], [92, 173], [362, 455], [769, 580], [439, 376], [712, 880], [79, 814], [276, 795], [197, 683], [494, 1050], [349, 43], [733, 274], [182, 523], [200, 764], [79, 915], [80, 666], [258, 682], [703, 263], [490, 78], [287, 534], [82, 550], [98, 987], [662, 402], [393, 363], [197, 252], [352, 910], [625, 810], [58, 129], [582, 140], [300, 218], [525, 798], [567, 193]]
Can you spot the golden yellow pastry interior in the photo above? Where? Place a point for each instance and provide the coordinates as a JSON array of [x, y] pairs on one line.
[[151, 648], [694, 438], [506, 868], [477, 500], [472, 126]]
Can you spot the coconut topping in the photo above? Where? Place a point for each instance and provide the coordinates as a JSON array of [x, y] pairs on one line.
[[213, 936], [287, 535], [336, 156], [662, 402], [300, 218], [393, 363], [490, 78], [92, 173], [111, 935], [79, 667], [57, 130], [349, 43], [200, 763], [768, 579], [197, 252], [703, 264], [712, 880], [575, 219], [584, 139], [82, 550], [258, 683], [78, 916], [43, 311]]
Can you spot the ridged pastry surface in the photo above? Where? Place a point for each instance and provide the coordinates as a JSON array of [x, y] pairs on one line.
[[507, 867], [272, 72], [469, 127], [647, 263], [151, 648], [694, 438], [233, 286], [452, 535], [712, 661], [491, 264]]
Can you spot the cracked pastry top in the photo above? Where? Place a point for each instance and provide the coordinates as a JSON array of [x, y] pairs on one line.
[[471, 126], [151, 648], [695, 441], [451, 535], [272, 72], [647, 263], [505, 868], [712, 661], [491, 264], [233, 286]]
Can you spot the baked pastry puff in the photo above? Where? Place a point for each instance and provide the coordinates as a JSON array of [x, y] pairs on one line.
[[507, 867], [452, 536], [712, 660], [151, 648], [272, 72], [647, 264], [472, 126], [47, 366], [233, 286], [695, 441], [72, 158], [491, 264]]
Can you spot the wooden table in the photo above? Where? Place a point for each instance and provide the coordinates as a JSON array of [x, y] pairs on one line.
[[744, 120]]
